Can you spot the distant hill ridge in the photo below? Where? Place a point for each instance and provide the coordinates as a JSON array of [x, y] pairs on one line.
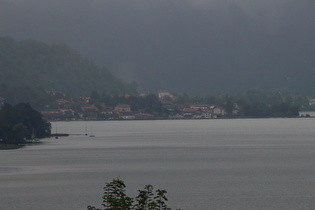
[[56, 67]]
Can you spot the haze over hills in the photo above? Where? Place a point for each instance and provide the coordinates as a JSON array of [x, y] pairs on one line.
[[54, 67], [193, 46]]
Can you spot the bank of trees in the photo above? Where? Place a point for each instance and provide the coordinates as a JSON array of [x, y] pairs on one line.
[[144, 104], [265, 110], [21, 122], [253, 103], [115, 198]]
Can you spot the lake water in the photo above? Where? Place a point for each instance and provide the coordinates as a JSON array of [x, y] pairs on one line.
[[203, 164]]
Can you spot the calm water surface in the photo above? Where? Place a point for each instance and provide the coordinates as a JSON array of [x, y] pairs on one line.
[[203, 164]]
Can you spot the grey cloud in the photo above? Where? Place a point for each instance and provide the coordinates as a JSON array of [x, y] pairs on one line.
[[179, 45]]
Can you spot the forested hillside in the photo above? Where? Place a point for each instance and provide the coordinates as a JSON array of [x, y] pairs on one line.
[[54, 67]]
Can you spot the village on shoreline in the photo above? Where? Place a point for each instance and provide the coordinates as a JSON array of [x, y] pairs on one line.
[[21, 123], [163, 108], [160, 106]]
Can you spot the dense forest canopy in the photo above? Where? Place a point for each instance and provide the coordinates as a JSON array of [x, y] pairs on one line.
[[54, 67], [21, 122]]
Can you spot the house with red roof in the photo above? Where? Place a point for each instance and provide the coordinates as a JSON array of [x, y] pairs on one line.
[[89, 112], [122, 108], [51, 114]]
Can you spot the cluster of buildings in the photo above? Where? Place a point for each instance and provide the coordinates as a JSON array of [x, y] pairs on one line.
[[199, 111], [83, 110]]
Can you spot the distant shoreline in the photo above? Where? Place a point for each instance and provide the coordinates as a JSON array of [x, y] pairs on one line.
[[10, 146]]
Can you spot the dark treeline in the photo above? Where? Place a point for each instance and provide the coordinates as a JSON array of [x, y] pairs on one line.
[[21, 122], [264, 110], [253, 103], [147, 103], [37, 97]]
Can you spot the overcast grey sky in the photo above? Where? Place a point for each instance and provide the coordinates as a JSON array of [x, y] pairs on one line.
[[178, 45]]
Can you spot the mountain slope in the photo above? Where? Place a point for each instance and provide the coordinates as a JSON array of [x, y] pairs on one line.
[[54, 67]]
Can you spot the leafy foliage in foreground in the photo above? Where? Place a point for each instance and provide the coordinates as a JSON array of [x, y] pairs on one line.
[[115, 198]]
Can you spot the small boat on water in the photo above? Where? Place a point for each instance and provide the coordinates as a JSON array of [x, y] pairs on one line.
[[32, 141], [91, 135], [56, 136]]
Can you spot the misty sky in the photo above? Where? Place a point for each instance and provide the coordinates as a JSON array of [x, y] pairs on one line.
[[178, 45]]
